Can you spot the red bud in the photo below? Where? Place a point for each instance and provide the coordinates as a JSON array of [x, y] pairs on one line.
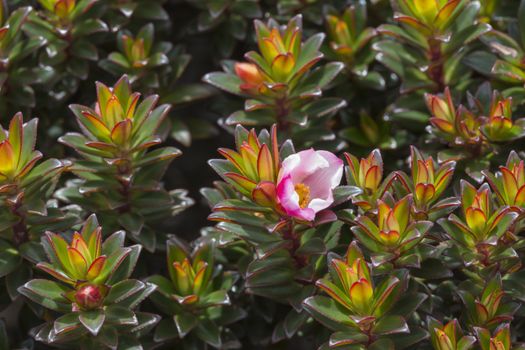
[[89, 297]]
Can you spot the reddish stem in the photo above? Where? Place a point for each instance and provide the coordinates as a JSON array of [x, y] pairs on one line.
[[294, 237], [435, 70]]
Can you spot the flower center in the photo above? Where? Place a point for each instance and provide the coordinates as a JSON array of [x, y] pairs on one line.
[[303, 192]]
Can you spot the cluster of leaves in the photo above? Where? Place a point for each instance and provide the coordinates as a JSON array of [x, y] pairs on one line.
[[48, 51], [395, 224], [415, 237], [92, 295]]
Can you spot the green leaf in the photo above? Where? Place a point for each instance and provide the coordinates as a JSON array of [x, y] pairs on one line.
[[313, 246], [269, 274], [109, 337], [465, 36], [46, 289], [165, 330], [328, 312], [146, 322], [163, 284], [481, 61], [373, 80], [238, 217], [92, 320], [120, 315], [185, 323], [251, 234], [345, 193], [131, 222], [126, 268], [382, 344], [391, 325], [112, 263], [46, 293], [66, 323], [348, 337], [408, 303], [257, 117], [89, 26], [294, 321], [407, 341], [209, 332], [113, 242], [432, 269], [123, 290], [180, 132], [224, 81], [319, 78], [309, 51], [84, 49], [43, 171], [188, 93], [9, 258], [219, 297], [134, 300], [17, 278], [324, 107], [159, 155], [151, 11]]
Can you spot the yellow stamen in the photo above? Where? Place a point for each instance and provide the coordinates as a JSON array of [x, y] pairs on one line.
[[304, 194]]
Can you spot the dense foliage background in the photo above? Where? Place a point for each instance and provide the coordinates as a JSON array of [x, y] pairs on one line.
[[418, 248]]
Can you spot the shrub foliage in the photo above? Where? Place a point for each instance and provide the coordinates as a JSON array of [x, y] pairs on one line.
[[366, 189]]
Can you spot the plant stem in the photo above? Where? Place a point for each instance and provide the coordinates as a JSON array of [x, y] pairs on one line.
[[435, 70], [283, 110]]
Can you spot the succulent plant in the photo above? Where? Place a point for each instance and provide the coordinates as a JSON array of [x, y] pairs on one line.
[[508, 182], [476, 132], [480, 233], [282, 212], [26, 187], [227, 21], [503, 57], [463, 127], [153, 65], [488, 310], [195, 296], [119, 13], [94, 297], [117, 173], [350, 41], [256, 167], [500, 339], [370, 132], [358, 310], [428, 42], [15, 78], [428, 182], [366, 175], [426, 48], [138, 57], [417, 104], [394, 235], [67, 27], [279, 78], [449, 336]]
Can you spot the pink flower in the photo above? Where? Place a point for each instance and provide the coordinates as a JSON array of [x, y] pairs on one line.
[[306, 181]]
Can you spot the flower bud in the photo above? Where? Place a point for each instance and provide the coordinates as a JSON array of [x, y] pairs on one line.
[[250, 75], [89, 297]]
